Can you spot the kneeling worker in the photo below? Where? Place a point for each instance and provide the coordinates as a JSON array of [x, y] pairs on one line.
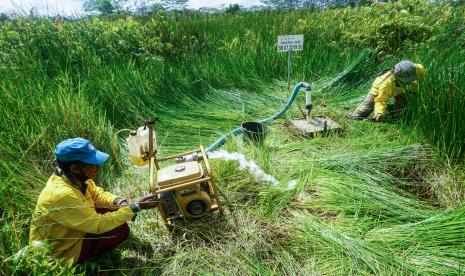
[[78, 219], [395, 83]]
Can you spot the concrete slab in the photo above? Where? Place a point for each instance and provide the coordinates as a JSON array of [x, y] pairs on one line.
[[315, 124]]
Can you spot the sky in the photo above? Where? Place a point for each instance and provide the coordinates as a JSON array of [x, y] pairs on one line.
[[74, 7]]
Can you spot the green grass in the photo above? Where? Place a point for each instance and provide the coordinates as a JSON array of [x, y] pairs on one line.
[[379, 199]]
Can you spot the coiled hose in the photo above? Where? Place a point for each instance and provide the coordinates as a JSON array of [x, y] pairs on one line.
[[222, 139]]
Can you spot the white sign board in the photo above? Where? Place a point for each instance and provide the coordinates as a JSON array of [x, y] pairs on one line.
[[290, 43]]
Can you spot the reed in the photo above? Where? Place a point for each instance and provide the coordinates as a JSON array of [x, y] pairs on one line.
[[381, 199]]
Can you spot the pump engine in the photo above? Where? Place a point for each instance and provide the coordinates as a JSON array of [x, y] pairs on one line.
[[184, 183]]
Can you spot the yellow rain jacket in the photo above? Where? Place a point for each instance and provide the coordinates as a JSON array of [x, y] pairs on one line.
[[386, 86], [64, 215]]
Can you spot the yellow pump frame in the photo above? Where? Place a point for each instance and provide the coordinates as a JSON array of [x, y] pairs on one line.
[[154, 166], [209, 178]]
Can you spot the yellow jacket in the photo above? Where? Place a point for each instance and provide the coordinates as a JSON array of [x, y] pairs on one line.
[[386, 86], [63, 215]]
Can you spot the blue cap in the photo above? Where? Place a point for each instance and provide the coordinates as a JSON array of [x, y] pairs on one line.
[[79, 149]]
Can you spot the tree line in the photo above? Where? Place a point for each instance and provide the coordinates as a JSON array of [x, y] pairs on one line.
[[105, 7]]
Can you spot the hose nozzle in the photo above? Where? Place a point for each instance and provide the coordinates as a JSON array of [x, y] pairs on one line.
[[306, 86]]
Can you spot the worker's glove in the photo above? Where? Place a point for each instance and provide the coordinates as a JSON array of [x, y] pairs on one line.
[[148, 201], [377, 119]]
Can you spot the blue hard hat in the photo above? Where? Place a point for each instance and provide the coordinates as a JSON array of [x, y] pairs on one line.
[[79, 149]]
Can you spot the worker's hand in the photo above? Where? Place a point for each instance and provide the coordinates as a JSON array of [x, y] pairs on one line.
[[148, 201], [377, 119]]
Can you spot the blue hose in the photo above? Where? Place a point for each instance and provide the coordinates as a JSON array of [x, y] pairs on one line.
[[222, 139]]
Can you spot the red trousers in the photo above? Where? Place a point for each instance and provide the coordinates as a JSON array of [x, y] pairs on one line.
[[95, 245]]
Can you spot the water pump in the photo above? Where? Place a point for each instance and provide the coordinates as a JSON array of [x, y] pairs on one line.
[[184, 183]]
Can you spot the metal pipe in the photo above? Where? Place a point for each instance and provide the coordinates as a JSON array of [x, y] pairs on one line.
[[308, 103], [153, 181], [176, 155], [222, 139], [289, 53]]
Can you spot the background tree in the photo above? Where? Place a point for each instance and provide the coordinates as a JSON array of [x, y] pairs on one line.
[[296, 4], [154, 8], [103, 7], [174, 4], [209, 9], [4, 17], [146, 6], [283, 4], [233, 8]]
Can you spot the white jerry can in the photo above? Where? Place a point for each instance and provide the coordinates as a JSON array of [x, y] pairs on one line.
[[138, 145]]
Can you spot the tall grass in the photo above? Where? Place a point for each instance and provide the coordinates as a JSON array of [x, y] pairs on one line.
[[439, 105], [204, 74]]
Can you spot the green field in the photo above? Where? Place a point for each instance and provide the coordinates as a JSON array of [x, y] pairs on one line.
[[383, 198]]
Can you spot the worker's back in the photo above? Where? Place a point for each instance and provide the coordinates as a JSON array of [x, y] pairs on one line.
[[65, 241]]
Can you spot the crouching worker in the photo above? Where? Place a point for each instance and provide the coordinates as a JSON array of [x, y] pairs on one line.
[[77, 218], [396, 82]]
